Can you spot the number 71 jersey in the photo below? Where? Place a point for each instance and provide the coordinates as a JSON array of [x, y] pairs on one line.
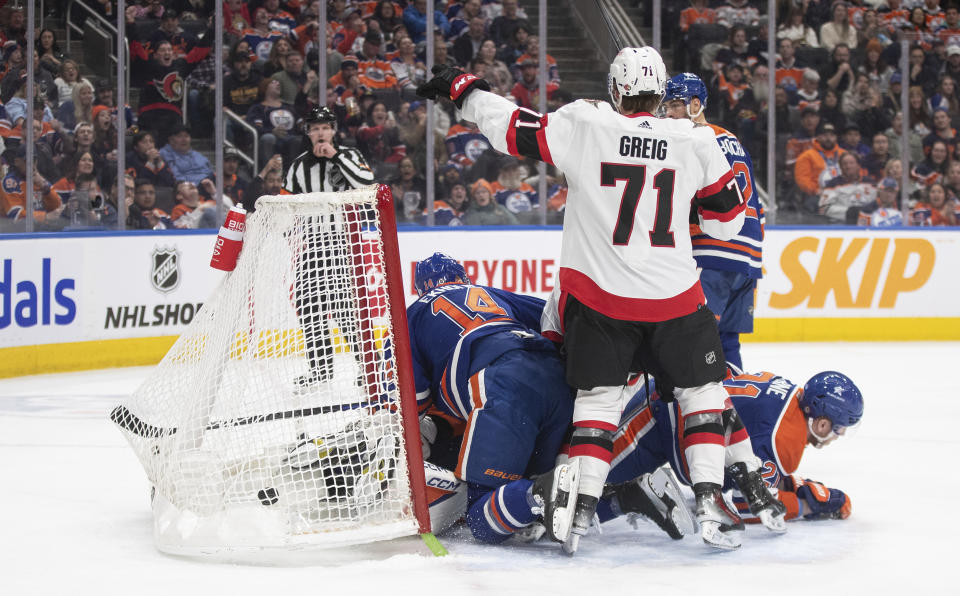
[[636, 182]]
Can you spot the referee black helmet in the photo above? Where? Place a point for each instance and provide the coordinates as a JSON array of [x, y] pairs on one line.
[[319, 115]]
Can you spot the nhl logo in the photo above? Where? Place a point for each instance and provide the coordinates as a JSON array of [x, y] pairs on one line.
[[165, 276], [711, 357]]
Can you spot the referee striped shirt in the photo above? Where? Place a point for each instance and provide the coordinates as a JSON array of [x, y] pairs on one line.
[[344, 171]]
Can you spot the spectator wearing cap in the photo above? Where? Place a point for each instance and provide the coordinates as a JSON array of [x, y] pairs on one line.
[[483, 210], [874, 64], [840, 72], [804, 137], [850, 140], [409, 70], [345, 33], [68, 78], [170, 31], [13, 58], [883, 212], [817, 165], [261, 37], [13, 199], [450, 210], [104, 97], [890, 103], [234, 185], [533, 52], [374, 72], [838, 30], [942, 131], [879, 155], [467, 45], [274, 120], [844, 195], [144, 161], [241, 88], [952, 65], [415, 20], [83, 138], [933, 168], [348, 71], [185, 162], [526, 92]]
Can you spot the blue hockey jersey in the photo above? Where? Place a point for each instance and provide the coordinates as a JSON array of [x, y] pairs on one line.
[[742, 253], [458, 329]]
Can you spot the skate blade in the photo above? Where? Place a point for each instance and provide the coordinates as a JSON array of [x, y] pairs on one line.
[[775, 523], [567, 485], [713, 536], [569, 547], [683, 520]]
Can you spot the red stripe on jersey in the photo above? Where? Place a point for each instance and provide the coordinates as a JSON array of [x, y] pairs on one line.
[[588, 450], [714, 188], [553, 336], [512, 134], [703, 439], [542, 141], [639, 115], [595, 424], [738, 436], [723, 216], [649, 310]]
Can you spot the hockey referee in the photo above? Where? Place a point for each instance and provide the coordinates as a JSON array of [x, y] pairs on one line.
[[324, 167]]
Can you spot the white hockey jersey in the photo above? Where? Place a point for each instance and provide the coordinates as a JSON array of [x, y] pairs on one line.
[[635, 184]]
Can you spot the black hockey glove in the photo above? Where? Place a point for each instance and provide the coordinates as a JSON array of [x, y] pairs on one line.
[[451, 83]]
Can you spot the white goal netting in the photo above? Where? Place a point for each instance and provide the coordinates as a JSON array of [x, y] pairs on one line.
[[275, 419]]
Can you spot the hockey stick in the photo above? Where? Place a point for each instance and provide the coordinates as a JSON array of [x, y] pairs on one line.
[[131, 422]]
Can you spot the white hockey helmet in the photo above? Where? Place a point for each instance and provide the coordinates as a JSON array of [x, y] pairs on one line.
[[636, 71]]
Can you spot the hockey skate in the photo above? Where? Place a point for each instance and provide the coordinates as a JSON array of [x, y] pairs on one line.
[[585, 511], [317, 375], [555, 492], [655, 496], [762, 503], [720, 526]]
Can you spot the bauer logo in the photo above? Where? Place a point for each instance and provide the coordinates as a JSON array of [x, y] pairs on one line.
[[29, 297], [165, 276]]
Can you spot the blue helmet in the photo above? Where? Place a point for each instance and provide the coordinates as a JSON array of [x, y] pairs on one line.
[[833, 395], [685, 86], [436, 270]]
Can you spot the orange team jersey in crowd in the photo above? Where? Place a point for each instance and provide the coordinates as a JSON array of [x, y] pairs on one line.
[[377, 74], [895, 20], [692, 16], [949, 36], [13, 199], [16, 133], [553, 72], [64, 188], [730, 91], [789, 76], [180, 209], [936, 21]]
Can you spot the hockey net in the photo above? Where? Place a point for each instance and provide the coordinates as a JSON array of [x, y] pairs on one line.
[[276, 419]]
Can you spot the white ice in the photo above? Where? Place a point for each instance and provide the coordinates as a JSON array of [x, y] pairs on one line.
[[75, 515]]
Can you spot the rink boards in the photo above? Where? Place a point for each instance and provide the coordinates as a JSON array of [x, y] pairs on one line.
[[78, 301]]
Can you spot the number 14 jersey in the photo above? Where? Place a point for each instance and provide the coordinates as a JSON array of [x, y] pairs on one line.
[[636, 182]]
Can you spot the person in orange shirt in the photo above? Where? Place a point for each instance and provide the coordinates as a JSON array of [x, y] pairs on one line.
[[13, 198], [817, 165], [696, 14], [375, 72]]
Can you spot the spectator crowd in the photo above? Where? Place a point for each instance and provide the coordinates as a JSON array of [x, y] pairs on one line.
[[837, 106]]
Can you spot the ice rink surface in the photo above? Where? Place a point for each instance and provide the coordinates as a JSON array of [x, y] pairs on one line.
[[75, 515]]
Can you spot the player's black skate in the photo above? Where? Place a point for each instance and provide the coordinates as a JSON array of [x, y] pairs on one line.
[[720, 526], [583, 515], [555, 491], [762, 503], [655, 496]]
